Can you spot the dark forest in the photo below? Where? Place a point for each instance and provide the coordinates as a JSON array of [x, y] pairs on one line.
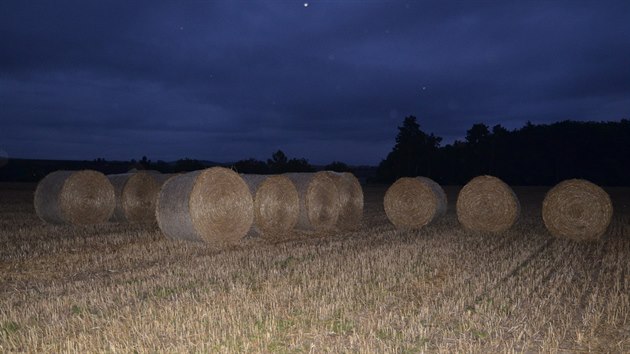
[[532, 155]]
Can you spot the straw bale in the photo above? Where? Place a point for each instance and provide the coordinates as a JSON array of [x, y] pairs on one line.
[[212, 205], [319, 201], [487, 204], [577, 209], [350, 200], [276, 204], [413, 202], [75, 197], [136, 196]]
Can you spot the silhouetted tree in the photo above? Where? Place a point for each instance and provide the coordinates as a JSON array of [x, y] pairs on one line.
[[278, 162], [337, 166], [144, 163], [299, 165], [162, 166], [478, 156], [498, 150], [536, 154], [413, 153], [251, 165], [187, 164]]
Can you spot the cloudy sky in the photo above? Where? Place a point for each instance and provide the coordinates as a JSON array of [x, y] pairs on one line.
[[324, 80]]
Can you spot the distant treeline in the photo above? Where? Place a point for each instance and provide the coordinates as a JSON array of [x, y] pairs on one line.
[[532, 155], [25, 170]]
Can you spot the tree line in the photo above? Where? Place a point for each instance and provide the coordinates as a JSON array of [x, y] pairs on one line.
[[542, 154], [536, 154], [278, 163], [27, 170]]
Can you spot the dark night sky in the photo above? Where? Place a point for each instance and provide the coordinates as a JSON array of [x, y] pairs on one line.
[[226, 80]]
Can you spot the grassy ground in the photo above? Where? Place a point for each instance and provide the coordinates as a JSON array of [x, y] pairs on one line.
[[125, 288]]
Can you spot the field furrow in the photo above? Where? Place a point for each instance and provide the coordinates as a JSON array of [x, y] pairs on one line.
[[120, 287]]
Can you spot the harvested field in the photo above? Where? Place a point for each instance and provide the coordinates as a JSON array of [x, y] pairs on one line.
[[126, 287]]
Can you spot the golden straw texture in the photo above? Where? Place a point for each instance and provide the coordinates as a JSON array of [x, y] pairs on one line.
[[136, 196], [487, 204], [75, 197], [212, 205], [577, 209], [350, 200], [276, 205], [319, 200], [413, 202]]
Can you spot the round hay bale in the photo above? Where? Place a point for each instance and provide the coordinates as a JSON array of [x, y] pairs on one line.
[[413, 202], [487, 204], [350, 199], [319, 200], [212, 205], [75, 197], [276, 204], [577, 209], [136, 196]]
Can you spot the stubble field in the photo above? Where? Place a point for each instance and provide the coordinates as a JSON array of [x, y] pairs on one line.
[[125, 288]]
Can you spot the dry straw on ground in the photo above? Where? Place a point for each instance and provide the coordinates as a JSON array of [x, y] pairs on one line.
[[414, 202], [487, 204], [276, 205], [350, 200], [319, 200], [75, 197], [136, 195], [212, 205], [577, 209]]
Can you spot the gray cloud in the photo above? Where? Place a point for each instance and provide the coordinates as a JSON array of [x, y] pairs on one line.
[[228, 80]]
